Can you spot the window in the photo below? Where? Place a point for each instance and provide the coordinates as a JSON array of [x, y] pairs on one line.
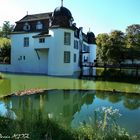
[[66, 57], [26, 27], [23, 57], [20, 58], [41, 40], [26, 41], [86, 48], [67, 38], [39, 25], [75, 44], [74, 58], [85, 59]]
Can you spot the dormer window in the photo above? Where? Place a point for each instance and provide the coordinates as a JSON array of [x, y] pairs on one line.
[[70, 21], [26, 27], [50, 22], [39, 25]]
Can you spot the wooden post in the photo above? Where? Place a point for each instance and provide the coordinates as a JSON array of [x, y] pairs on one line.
[[137, 71], [120, 68], [91, 71], [105, 67]]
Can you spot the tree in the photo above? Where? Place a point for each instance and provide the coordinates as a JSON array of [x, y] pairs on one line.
[[110, 47], [6, 29], [116, 47], [133, 41], [102, 41]]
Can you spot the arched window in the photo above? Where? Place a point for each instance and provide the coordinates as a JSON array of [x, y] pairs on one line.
[[39, 25], [26, 26]]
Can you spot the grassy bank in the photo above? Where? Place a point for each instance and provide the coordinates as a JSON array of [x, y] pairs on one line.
[[41, 129]]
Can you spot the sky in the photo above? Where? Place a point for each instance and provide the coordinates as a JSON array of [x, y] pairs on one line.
[[100, 16]]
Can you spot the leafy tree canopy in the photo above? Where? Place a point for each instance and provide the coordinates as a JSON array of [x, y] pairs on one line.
[[110, 47], [5, 43], [117, 46], [133, 36], [102, 41], [6, 29]]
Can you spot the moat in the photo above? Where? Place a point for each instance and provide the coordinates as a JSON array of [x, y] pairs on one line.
[[70, 101]]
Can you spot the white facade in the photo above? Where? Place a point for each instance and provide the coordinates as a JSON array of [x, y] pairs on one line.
[[92, 54], [48, 57], [56, 54]]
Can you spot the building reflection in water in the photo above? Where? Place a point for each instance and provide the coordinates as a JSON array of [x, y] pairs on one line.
[[70, 107]]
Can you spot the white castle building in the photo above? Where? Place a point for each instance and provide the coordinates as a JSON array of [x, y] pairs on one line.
[[50, 43]]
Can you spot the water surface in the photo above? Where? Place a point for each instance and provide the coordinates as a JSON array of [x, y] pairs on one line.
[[71, 101], [18, 82], [71, 107]]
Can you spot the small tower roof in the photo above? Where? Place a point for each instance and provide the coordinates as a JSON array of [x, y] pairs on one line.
[[62, 11], [91, 38], [90, 34]]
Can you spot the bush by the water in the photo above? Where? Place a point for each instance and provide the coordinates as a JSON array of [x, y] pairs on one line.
[[5, 50], [103, 126], [34, 129], [1, 76]]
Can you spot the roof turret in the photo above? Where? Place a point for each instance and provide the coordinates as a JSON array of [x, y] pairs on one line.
[[91, 38], [62, 11]]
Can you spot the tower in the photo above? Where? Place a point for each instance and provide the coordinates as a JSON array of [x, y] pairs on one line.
[[92, 46], [61, 63]]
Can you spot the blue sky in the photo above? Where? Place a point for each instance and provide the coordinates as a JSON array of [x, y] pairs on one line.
[[101, 16]]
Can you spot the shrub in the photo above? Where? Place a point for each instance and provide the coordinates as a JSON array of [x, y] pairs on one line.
[[5, 50], [104, 126], [1, 76]]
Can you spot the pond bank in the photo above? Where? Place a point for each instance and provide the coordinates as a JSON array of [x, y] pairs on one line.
[[40, 91], [25, 92]]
